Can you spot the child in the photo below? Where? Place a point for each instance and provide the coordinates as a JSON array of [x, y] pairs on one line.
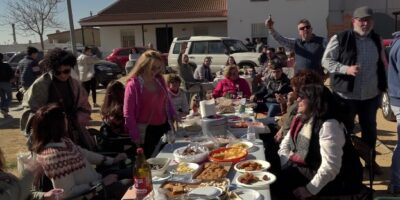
[[177, 95]]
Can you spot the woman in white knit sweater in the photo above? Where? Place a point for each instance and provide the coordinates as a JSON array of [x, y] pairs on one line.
[[67, 165]]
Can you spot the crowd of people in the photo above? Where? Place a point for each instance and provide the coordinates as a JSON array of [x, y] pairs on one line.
[[311, 153]]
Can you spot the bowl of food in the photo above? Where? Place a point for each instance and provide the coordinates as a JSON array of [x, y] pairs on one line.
[[252, 166], [184, 168], [241, 144], [193, 152], [158, 165], [228, 154]]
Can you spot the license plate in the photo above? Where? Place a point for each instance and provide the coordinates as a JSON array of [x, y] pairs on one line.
[[110, 74]]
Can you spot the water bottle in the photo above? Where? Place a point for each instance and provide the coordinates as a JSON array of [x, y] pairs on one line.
[[251, 133]]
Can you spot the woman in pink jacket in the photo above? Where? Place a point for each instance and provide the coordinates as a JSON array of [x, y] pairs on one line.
[[232, 84], [148, 110]]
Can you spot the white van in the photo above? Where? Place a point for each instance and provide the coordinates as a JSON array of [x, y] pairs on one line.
[[218, 48]]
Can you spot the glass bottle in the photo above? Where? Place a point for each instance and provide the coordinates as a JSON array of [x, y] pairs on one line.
[[142, 176], [251, 133]]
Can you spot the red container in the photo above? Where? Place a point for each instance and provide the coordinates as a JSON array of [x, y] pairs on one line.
[[228, 154]]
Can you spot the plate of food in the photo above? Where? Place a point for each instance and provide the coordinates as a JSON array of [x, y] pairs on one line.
[[208, 191], [244, 193], [158, 165], [228, 154], [241, 144], [252, 166], [191, 153], [255, 180]]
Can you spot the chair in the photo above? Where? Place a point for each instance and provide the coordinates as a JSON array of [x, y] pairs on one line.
[[367, 154]]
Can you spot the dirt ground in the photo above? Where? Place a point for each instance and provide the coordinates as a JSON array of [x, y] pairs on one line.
[[12, 142]]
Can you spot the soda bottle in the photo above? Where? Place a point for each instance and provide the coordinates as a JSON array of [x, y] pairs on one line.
[[142, 175]]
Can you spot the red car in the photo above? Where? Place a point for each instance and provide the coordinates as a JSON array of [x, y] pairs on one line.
[[121, 55]]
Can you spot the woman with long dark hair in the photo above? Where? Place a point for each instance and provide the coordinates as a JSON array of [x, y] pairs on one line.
[[316, 156], [66, 164]]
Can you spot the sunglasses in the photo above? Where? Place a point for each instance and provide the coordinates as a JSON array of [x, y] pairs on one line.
[[308, 27], [65, 71]]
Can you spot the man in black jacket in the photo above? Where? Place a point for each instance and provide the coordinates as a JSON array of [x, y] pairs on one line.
[[28, 68], [356, 62], [6, 75], [277, 85]]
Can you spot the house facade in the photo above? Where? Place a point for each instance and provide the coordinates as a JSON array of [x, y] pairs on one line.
[[127, 23]]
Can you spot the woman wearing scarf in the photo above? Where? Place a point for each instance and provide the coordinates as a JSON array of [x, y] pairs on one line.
[[317, 158]]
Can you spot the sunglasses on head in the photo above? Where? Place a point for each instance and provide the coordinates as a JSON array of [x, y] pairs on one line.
[[308, 27], [65, 71]]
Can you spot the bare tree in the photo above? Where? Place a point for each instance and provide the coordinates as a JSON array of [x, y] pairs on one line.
[[33, 15]]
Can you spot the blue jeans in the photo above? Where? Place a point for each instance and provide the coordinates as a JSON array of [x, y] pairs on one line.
[[395, 175], [5, 95], [274, 109]]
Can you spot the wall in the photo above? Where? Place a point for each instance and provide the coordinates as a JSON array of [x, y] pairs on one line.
[[92, 37], [285, 13], [110, 36]]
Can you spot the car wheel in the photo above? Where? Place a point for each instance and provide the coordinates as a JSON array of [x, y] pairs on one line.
[[386, 110]]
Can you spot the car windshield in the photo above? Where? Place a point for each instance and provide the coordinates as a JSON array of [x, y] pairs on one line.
[[235, 46]]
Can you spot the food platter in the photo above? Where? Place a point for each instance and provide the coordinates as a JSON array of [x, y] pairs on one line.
[[252, 166], [258, 180], [213, 171], [228, 154]]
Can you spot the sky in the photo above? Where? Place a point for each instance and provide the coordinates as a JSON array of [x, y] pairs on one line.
[[80, 9]]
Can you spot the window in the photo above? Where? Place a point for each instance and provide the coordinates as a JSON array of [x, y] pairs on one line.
[[177, 48], [199, 48], [216, 47], [258, 30], [127, 38]]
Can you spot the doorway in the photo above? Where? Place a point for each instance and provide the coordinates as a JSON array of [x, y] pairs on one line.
[[164, 39]]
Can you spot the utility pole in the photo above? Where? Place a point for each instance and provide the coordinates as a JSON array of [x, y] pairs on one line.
[[71, 27], [13, 33]]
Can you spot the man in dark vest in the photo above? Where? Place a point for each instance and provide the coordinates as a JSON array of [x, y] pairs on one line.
[[308, 48], [356, 62]]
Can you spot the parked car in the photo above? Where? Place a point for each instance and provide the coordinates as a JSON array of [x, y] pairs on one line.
[[120, 56], [106, 72], [218, 48], [385, 103]]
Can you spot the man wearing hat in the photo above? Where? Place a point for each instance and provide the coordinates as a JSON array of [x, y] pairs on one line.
[[356, 62]]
